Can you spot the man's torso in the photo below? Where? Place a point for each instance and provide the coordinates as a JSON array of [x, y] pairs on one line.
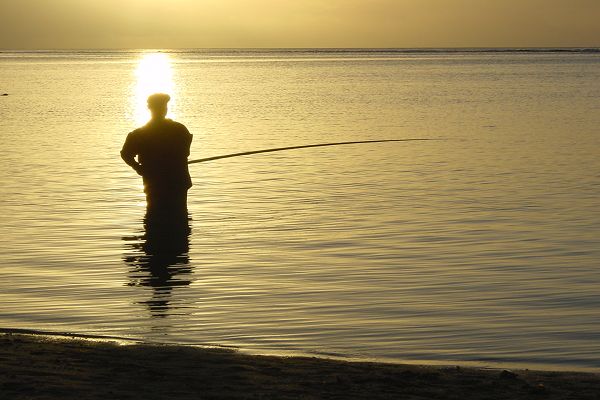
[[162, 149]]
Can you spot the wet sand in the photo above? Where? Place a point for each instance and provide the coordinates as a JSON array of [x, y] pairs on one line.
[[44, 367]]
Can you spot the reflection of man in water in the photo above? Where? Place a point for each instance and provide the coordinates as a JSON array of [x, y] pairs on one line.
[[158, 258], [162, 147]]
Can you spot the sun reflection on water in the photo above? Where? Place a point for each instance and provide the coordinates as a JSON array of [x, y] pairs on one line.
[[154, 75]]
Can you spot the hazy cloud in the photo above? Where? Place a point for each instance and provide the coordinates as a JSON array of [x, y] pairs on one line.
[[301, 23]]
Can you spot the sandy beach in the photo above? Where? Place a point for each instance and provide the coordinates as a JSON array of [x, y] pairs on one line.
[[52, 367]]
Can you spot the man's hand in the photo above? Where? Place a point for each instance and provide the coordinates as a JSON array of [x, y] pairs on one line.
[[139, 168], [129, 158]]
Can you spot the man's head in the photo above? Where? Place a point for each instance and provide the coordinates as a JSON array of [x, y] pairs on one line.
[[157, 104]]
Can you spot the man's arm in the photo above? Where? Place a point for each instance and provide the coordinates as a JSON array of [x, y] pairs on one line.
[[128, 155], [189, 144], [187, 140]]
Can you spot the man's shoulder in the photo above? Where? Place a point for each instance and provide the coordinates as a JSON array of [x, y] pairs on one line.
[[137, 131], [165, 126], [176, 125]]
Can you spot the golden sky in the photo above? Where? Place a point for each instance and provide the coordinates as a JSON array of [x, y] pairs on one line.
[[42, 24]]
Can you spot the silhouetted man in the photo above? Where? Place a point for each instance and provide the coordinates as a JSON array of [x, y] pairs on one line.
[[162, 147]]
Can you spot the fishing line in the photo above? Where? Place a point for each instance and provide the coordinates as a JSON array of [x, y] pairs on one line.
[[247, 153]]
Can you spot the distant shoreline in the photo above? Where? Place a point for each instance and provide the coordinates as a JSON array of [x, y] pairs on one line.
[[58, 368], [349, 50]]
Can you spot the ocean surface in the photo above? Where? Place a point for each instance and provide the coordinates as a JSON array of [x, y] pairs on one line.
[[479, 246]]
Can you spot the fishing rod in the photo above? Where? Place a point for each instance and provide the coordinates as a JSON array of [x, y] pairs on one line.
[[247, 153]]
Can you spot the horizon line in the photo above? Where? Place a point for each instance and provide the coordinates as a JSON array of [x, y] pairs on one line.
[[306, 48]]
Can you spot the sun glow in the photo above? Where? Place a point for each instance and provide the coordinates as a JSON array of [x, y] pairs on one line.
[[154, 75]]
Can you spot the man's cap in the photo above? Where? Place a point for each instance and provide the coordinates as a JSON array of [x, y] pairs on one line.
[[158, 99]]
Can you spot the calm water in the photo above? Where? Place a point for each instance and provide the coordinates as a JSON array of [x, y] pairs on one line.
[[482, 246]]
